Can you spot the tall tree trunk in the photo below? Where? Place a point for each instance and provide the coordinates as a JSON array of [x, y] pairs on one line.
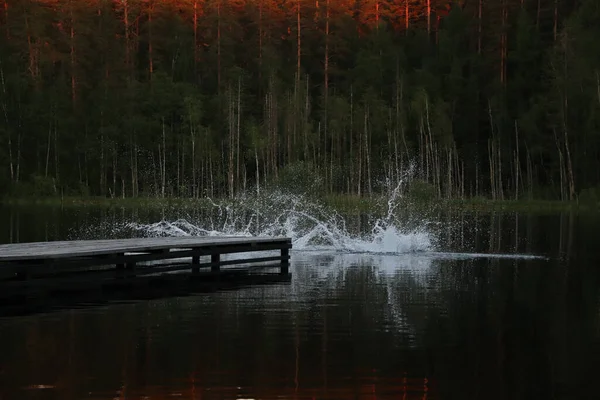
[[555, 19], [127, 36], [479, 26], [211, 174], [503, 43], [351, 135], [297, 102], [569, 162], [18, 158], [406, 15], [102, 164], [163, 172], [476, 180], [517, 161], [306, 117], [72, 54], [56, 157], [48, 150], [529, 172], [180, 165], [134, 183], [219, 45], [422, 150], [33, 67], [298, 40], [150, 49], [499, 178], [492, 162], [231, 146], [7, 121], [5, 6], [429, 17], [492, 154], [156, 170], [367, 156], [429, 140], [326, 71], [114, 170], [561, 168], [196, 39], [237, 144], [565, 113], [257, 170], [194, 172], [360, 160]]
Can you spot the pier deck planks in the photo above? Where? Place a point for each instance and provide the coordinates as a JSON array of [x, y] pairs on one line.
[[49, 259], [15, 253]]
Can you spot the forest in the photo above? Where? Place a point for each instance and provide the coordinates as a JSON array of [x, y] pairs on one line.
[[194, 98]]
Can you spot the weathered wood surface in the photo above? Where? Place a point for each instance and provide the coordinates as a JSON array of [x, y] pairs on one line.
[[88, 248]]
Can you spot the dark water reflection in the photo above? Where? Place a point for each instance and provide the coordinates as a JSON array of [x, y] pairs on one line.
[[347, 327]]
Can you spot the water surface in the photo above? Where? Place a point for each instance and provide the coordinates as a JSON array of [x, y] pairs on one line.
[[475, 316]]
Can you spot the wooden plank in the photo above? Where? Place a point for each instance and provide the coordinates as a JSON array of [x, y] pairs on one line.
[[82, 248], [118, 245], [76, 263]]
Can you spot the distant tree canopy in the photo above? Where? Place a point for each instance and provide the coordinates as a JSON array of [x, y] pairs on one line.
[[207, 97]]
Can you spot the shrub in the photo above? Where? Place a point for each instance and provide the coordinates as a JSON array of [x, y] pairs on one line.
[[590, 197], [421, 191], [301, 178]]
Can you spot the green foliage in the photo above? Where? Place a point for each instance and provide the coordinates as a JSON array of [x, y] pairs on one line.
[[198, 95], [37, 186], [300, 178], [82, 190], [421, 192], [590, 197]]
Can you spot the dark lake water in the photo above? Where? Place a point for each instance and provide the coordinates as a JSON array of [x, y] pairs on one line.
[[472, 317]]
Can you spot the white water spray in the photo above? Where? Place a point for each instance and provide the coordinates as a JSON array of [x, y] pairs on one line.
[[311, 225], [388, 229]]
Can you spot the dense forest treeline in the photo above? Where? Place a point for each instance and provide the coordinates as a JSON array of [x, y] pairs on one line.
[[499, 98]]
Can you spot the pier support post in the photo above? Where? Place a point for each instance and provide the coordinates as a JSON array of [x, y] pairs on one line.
[[215, 262], [120, 265], [195, 264], [285, 261], [22, 274]]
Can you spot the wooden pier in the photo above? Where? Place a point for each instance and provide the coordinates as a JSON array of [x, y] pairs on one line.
[[48, 267]]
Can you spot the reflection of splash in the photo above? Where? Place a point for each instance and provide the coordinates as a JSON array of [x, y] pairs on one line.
[[405, 282], [384, 264]]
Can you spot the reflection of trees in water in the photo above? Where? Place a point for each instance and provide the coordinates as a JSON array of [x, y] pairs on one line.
[[492, 328], [521, 328], [553, 234]]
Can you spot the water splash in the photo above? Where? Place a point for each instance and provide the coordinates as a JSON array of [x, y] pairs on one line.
[[310, 224]]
